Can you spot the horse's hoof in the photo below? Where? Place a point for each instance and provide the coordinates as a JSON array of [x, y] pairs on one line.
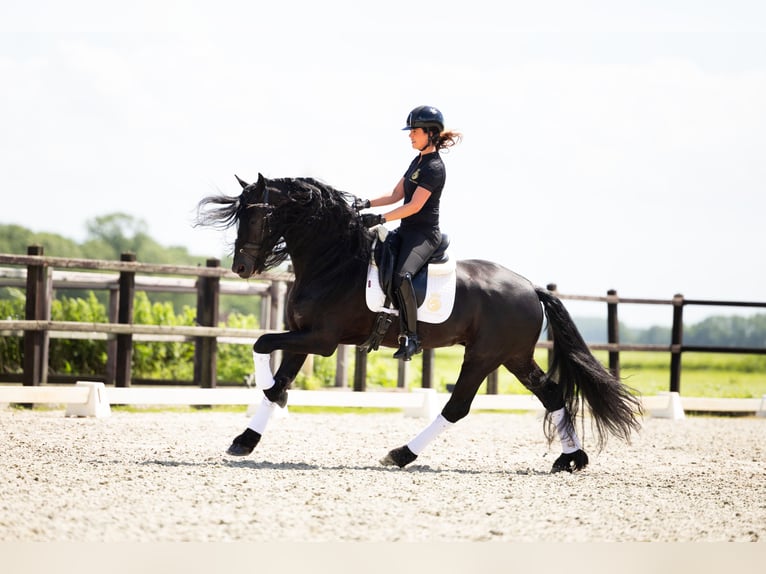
[[400, 457], [278, 397], [244, 444], [570, 462]]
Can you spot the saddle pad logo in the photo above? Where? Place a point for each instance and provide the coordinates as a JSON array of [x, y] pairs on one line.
[[440, 295]]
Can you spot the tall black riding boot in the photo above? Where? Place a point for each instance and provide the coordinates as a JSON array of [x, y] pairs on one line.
[[409, 344]]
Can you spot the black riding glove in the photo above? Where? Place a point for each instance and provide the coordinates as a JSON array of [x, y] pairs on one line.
[[372, 219], [360, 203]]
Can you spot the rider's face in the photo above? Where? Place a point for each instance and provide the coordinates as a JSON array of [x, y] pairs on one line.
[[419, 138]]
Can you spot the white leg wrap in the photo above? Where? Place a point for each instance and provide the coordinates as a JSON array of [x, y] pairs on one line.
[[264, 380], [428, 434], [569, 440], [262, 415]]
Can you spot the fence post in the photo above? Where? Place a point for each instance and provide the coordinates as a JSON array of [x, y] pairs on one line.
[[34, 311], [206, 348], [428, 369], [676, 342], [127, 283], [492, 382], [553, 288], [111, 342], [360, 370], [277, 292], [401, 374], [47, 303], [341, 366], [613, 331], [265, 310]]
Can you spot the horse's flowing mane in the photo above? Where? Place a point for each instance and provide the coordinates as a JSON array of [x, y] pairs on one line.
[[306, 215], [218, 211]]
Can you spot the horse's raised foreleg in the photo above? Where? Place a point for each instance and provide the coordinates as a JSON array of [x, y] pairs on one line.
[[472, 373], [296, 345], [275, 395], [275, 386], [314, 342], [549, 392]]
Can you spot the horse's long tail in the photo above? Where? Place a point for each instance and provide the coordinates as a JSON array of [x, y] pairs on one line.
[[615, 410]]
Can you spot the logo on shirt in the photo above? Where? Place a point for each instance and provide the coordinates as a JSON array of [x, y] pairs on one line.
[[415, 175]]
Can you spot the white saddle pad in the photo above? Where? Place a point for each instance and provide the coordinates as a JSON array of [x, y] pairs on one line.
[[440, 294]]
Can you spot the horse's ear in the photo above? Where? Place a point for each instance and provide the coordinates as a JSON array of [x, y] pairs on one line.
[[261, 180], [243, 183]]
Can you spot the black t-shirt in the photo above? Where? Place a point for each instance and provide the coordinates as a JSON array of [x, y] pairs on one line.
[[426, 171]]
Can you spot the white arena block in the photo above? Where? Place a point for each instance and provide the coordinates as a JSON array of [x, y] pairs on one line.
[[428, 409], [42, 394], [673, 408], [96, 405], [762, 409]]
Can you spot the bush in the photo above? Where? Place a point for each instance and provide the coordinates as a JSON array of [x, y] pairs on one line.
[[235, 362], [160, 360], [10, 347], [78, 356]]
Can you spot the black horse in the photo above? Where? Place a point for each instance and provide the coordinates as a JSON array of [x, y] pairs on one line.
[[497, 317]]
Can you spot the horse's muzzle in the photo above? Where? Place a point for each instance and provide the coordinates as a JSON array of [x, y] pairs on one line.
[[244, 264], [242, 267]]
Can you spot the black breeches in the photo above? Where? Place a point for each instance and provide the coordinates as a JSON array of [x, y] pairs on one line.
[[414, 248]]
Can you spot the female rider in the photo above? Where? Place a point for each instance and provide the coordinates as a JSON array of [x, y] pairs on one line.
[[418, 235]]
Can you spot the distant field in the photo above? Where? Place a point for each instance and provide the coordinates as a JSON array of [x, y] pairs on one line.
[[702, 374]]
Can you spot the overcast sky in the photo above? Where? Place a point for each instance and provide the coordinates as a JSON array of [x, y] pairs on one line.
[[607, 145]]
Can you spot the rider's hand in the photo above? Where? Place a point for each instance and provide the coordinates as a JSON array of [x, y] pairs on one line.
[[372, 219], [360, 203]]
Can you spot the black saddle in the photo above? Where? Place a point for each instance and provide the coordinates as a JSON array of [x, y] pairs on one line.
[[385, 254]]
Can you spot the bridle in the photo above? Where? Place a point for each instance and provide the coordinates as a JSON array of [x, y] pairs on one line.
[[257, 246]]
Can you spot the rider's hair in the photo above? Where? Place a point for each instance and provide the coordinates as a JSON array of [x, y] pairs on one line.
[[445, 139]]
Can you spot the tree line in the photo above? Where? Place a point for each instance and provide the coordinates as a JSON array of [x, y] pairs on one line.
[[108, 237], [715, 331]]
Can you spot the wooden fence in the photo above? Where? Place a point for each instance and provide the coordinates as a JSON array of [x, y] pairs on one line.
[[676, 347], [40, 275]]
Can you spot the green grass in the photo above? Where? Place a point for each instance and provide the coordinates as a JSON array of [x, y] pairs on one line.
[[702, 374], [179, 408]]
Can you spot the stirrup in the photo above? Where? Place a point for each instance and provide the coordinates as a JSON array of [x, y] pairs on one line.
[[408, 347]]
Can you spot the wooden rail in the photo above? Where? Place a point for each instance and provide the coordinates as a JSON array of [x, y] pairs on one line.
[[676, 347], [209, 282], [38, 275]]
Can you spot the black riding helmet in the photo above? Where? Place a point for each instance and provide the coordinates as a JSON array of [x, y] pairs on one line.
[[425, 117]]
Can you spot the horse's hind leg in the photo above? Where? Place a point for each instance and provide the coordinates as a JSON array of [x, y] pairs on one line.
[[472, 374], [573, 457]]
